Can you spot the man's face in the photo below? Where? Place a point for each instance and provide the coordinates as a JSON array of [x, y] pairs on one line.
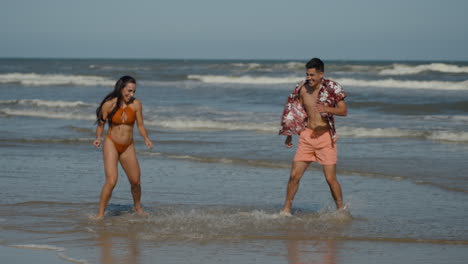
[[314, 77]]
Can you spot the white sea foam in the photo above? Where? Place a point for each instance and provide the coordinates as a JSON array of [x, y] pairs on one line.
[[244, 79], [202, 223], [188, 124], [118, 68], [271, 67], [363, 68], [361, 132], [444, 118], [46, 103], [183, 123], [460, 118], [403, 69], [343, 131], [448, 136], [392, 83], [47, 114], [249, 66], [34, 79], [60, 251], [42, 247], [294, 65]]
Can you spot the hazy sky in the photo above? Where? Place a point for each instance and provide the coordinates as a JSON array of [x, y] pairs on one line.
[[236, 29]]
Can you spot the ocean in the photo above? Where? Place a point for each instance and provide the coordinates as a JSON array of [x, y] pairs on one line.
[[216, 179]]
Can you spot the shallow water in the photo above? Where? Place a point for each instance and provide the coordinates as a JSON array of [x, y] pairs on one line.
[[216, 180]]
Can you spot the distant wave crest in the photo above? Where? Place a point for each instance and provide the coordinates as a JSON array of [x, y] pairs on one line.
[[403, 69], [213, 125], [449, 136], [51, 109], [46, 103], [243, 79], [34, 79], [47, 114], [361, 132], [393, 83], [390, 83]]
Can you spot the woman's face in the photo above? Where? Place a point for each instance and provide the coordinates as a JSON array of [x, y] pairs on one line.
[[128, 92]]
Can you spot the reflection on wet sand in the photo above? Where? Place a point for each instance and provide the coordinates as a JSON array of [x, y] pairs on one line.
[[312, 251], [324, 248], [119, 249]]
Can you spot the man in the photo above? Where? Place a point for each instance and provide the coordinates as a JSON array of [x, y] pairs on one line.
[[309, 113]]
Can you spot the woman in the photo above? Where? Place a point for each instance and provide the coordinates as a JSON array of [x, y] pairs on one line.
[[120, 109]]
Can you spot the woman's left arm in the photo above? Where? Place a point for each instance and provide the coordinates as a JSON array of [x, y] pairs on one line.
[[141, 125]]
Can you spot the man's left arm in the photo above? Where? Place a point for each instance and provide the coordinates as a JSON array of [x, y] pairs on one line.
[[340, 109]]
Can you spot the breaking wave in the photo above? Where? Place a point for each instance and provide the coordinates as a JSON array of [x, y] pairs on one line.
[[46, 103], [34, 79], [48, 114], [403, 69], [390, 83], [243, 79], [361, 132], [393, 83], [186, 124]]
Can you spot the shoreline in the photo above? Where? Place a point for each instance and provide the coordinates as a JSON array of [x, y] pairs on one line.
[[18, 255]]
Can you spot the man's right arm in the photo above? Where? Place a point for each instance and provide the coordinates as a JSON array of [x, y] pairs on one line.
[[288, 141]]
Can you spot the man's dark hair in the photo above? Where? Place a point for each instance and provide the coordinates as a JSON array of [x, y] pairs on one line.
[[316, 64]]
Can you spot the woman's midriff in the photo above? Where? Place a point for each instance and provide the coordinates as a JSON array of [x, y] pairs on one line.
[[122, 134]]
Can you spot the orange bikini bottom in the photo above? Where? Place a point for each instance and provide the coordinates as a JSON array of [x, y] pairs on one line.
[[120, 147]]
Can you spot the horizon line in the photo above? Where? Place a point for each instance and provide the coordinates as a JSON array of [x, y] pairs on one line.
[[223, 59]]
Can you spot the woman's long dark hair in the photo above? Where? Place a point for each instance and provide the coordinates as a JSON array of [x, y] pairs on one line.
[[119, 85]]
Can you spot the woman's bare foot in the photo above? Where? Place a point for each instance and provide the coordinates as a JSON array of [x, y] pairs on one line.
[[285, 213], [96, 217]]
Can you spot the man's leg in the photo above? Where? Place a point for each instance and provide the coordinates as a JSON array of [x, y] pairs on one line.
[[330, 175], [297, 170]]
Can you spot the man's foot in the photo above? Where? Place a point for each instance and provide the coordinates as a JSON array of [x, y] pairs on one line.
[[140, 211], [344, 211], [285, 213]]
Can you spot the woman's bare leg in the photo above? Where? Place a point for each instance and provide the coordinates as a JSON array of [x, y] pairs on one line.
[[129, 163], [111, 157]]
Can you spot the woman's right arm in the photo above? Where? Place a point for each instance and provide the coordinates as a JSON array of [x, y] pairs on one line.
[[100, 125]]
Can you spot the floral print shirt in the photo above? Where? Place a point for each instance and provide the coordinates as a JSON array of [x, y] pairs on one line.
[[294, 118]]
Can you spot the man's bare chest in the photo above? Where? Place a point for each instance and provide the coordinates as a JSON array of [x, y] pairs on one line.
[[309, 98]]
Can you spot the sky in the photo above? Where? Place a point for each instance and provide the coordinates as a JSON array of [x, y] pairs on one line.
[[432, 30]]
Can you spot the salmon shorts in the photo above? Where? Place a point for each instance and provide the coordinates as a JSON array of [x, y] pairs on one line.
[[316, 146]]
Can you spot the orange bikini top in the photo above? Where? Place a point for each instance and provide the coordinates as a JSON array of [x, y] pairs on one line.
[[124, 116]]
